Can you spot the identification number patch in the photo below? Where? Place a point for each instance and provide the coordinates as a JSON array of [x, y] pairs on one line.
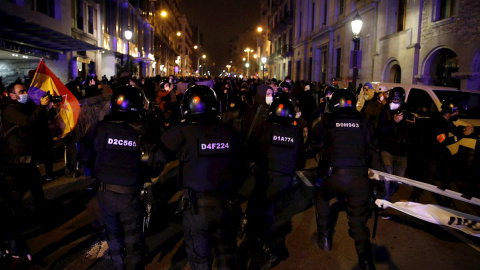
[[283, 140], [120, 143], [213, 146], [347, 124]]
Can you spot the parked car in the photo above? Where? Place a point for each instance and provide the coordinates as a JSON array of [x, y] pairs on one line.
[[425, 100]]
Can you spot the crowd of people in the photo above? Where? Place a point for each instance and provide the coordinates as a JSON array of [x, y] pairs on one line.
[[217, 128]]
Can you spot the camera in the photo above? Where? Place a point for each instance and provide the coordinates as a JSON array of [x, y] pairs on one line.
[[54, 99], [406, 113]]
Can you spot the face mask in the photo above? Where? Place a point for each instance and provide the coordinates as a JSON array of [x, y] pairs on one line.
[[268, 100], [366, 97], [381, 98], [23, 98], [394, 106]]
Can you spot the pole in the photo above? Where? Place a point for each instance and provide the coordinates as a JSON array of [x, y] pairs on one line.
[[263, 73], [356, 47], [128, 55]]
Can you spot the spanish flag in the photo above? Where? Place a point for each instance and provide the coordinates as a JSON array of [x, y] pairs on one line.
[[45, 82]]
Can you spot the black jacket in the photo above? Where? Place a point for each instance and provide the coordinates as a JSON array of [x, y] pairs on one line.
[[30, 134]]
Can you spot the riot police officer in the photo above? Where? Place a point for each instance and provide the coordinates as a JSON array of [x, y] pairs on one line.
[[211, 162], [442, 127], [111, 148], [344, 135], [275, 148]]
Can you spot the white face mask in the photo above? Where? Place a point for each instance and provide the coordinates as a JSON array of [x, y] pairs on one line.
[[394, 106], [268, 100], [381, 98], [23, 98], [366, 97]]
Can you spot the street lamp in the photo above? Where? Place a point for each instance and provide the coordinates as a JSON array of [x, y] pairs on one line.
[[264, 60], [248, 51], [356, 27], [203, 66], [228, 68], [128, 36]]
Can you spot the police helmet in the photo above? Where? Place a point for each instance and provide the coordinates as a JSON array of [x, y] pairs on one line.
[[128, 99], [449, 105], [200, 100], [342, 99], [397, 95], [281, 111]]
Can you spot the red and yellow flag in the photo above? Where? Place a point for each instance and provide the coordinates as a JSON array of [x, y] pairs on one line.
[[44, 82]]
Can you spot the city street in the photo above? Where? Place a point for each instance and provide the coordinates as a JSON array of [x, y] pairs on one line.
[[69, 235]]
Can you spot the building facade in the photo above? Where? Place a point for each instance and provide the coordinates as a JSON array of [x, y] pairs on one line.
[[416, 42], [80, 38]]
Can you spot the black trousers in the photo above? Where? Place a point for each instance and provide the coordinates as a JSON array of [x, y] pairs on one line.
[[212, 228], [352, 185], [21, 177], [123, 215]]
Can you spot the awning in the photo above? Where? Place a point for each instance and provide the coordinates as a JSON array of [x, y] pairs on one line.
[[14, 29]]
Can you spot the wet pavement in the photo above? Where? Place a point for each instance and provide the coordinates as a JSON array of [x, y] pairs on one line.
[[69, 233]]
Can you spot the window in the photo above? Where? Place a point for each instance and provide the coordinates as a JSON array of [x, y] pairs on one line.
[[324, 12], [443, 9], [401, 16], [341, 5], [447, 8], [90, 20], [80, 14], [324, 65], [420, 102], [338, 62], [46, 7]]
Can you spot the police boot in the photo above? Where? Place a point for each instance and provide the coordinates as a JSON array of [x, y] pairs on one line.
[[323, 241], [365, 261]]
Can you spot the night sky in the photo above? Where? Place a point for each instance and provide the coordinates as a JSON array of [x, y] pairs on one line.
[[219, 21]]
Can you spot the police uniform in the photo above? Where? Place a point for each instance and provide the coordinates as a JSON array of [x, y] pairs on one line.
[[345, 136], [275, 149], [111, 148], [209, 152]]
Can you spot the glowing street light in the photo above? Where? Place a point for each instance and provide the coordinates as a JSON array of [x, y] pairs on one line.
[[128, 36], [248, 51], [264, 60], [259, 29], [356, 28], [228, 68], [163, 13]]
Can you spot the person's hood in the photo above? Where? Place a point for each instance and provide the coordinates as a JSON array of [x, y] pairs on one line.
[[261, 94]]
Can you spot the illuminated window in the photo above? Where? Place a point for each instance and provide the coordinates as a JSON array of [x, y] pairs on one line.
[[443, 9]]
